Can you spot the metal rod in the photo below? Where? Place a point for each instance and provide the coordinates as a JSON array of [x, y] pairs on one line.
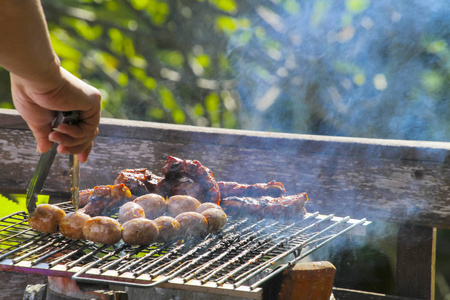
[[73, 263], [266, 264], [29, 253], [301, 231], [60, 259], [120, 259], [291, 263], [44, 257]]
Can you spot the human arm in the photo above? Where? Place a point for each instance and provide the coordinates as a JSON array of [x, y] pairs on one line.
[[40, 87]]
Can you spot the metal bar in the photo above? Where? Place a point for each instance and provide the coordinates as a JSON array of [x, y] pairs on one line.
[[44, 257], [264, 266], [291, 263], [60, 259], [120, 259], [326, 218], [73, 263], [20, 248]]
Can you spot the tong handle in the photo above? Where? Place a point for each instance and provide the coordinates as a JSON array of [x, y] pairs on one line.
[[67, 117]]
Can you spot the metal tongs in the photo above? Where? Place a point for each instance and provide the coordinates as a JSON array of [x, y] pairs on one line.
[[46, 161]]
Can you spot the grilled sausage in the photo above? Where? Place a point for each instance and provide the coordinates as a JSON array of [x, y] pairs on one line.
[[71, 226], [169, 228], [103, 230], [207, 205], [181, 203], [46, 218], [192, 224], [140, 231], [154, 205], [130, 211], [216, 219]]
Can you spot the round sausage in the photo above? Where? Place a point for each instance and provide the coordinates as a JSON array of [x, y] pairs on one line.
[[71, 226], [207, 205], [192, 224], [103, 230], [46, 218], [216, 219], [169, 228], [140, 231], [181, 203], [154, 205], [129, 211]]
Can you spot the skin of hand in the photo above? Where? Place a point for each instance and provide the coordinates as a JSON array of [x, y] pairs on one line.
[[39, 85], [38, 103]]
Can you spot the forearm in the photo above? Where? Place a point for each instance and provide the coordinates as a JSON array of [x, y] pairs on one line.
[[25, 47]]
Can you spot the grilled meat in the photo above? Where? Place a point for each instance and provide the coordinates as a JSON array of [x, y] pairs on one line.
[[216, 219], [280, 207], [181, 203], [140, 231], [169, 228], [83, 197], [140, 181], [130, 211], [103, 230], [154, 205], [207, 205], [106, 199], [192, 224], [188, 177], [72, 224], [46, 218], [235, 189]]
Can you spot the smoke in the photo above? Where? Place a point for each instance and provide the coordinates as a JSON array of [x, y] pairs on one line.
[[350, 68], [375, 69]]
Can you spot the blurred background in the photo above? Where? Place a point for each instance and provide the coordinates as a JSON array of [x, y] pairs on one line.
[[359, 68]]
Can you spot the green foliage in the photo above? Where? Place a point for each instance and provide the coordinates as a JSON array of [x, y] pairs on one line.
[[17, 202], [211, 63]]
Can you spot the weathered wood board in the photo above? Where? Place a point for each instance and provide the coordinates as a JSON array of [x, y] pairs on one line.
[[399, 181]]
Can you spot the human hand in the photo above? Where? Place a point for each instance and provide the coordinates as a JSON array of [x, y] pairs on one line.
[[39, 102]]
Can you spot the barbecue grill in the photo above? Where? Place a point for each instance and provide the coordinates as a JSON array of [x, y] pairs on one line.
[[402, 182], [235, 262]]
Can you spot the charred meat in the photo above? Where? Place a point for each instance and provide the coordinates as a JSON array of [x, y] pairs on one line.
[[235, 189], [140, 181], [266, 207], [106, 199], [188, 177]]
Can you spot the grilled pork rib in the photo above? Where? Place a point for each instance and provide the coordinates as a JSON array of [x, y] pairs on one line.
[[188, 177], [106, 199], [140, 181], [280, 207], [235, 189]]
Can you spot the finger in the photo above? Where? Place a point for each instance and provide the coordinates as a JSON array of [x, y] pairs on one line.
[[41, 135], [83, 156], [78, 149], [78, 131]]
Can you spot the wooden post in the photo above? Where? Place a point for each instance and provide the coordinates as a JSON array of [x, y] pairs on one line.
[[416, 256]]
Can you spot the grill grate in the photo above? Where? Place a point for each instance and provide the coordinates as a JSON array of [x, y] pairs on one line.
[[236, 262]]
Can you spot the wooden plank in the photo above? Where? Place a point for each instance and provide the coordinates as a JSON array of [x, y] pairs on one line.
[[416, 255], [348, 294], [395, 181]]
